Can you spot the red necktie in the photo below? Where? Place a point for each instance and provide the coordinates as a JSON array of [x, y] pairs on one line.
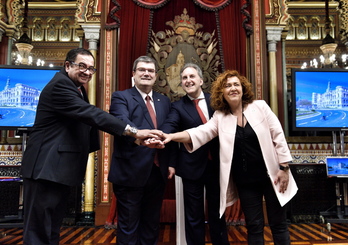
[[200, 112], [151, 111], [154, 120]]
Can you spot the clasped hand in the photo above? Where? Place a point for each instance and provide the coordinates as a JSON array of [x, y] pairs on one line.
[[152, 138], [156, 142]]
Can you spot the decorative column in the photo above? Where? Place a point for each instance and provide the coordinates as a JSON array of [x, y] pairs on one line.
[[273, 35], [285, 86], [92, 34]]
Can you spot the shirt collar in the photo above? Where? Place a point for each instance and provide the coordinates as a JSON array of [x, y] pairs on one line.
[[143, 95], [201, 96]]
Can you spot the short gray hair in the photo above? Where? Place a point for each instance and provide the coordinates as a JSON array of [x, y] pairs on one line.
[[194, 66]]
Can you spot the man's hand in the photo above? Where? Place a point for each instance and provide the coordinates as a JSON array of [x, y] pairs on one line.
[[148, 133], [171, 172]]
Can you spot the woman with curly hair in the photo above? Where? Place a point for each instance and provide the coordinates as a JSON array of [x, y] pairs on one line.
[[254, 156]]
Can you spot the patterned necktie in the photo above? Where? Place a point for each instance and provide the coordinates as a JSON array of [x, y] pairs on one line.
[[200, 112], [151, 111]]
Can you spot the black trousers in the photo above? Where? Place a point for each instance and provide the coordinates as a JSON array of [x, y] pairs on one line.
[[138, 211], [194, 208], [44, 209], [251, 199]]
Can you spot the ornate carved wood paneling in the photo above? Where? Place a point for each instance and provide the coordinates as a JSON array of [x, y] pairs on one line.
[[306, 30], [52, 25]]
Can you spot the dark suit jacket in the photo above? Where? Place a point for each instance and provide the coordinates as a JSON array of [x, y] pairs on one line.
[[131, 164], [64, 133], [184, 115]]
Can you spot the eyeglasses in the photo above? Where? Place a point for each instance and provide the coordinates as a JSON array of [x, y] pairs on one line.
[[143, 70], [83, 67]]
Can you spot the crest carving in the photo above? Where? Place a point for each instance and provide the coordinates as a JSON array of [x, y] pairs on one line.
[[184, 43]]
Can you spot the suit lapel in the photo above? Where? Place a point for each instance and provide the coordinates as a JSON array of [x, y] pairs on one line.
[[85, 97], [210, 110], [191, 109], [158, 108]]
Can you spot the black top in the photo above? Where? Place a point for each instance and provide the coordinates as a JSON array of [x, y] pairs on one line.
[[248, 165]]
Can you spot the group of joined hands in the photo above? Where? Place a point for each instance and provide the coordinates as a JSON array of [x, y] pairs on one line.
[[153, 138]]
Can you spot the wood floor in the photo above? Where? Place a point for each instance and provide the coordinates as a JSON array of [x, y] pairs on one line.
[[301, 234]]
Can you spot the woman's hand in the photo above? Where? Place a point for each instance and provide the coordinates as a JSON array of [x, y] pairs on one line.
[[283, 180], [167, 138]]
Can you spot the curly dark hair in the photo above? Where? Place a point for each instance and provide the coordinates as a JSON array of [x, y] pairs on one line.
[[217, 99]]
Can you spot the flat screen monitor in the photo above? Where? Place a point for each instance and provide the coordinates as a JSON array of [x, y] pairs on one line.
[[337, 167], [20, 89], [319, 99]]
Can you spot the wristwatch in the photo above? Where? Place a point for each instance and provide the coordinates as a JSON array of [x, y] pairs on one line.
[[129, 130], [284, 168]]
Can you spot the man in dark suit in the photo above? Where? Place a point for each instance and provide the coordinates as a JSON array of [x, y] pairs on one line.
[[199, 169], [138, 173], [64, 133]]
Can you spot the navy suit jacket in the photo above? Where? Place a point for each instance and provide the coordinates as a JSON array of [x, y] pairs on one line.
[[184, 115], [64, 133], [131, 164]]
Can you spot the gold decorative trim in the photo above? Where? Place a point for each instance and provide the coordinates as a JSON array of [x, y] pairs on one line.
[[343, 8], [90, 16], [85, 11], [302, 4], [106, 157], [14, 13], [258, 48], [278, 13], [96, 8], [51, 5]]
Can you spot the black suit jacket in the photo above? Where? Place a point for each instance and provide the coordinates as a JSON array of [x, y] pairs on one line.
[[64, 133], [184, 115], [131, 164]]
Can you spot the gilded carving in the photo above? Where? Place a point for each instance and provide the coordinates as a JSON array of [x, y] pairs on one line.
[[86, 11], [343, 8], [315, 31], [80, 10], [1, 11], [38, 30], [302, 32], [308, 27], [291, 29], [65, 30], [14, 14], [51, 32], [173, 48], [278, 12]]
